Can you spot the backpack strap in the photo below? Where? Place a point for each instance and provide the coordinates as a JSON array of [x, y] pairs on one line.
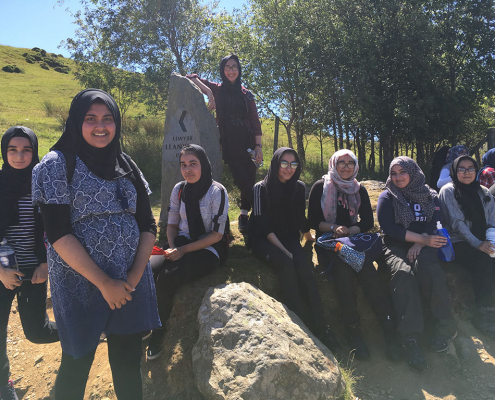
[[216, 225]]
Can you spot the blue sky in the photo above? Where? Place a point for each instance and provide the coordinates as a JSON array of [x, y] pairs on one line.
[[45, 23]]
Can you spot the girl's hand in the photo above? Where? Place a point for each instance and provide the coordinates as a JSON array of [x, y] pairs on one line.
[[435, 241], [211, 101], [116, 292], [342, 231], [259, 154], [486, 247], [414, 251], [10, 277], [40, 274], [175, 254]]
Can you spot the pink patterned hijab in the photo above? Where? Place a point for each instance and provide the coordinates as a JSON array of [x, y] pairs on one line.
[[336, 189]]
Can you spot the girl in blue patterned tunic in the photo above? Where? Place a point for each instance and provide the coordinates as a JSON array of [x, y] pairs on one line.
[[98, 220]]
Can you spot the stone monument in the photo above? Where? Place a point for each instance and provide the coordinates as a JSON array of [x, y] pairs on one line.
[[187, 121]]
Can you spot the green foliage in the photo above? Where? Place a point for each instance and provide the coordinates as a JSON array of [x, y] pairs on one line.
[[12, 69], [46, 60]]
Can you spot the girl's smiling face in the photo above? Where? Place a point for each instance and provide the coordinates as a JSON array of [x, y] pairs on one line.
[[98, 128], [231, 70], [19, 152], [284, 174], [190, 167], [399, 176]]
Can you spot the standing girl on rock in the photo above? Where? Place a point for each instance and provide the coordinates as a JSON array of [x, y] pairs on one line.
[[101, 231], [278, 217], [239, 127], [21, 224]]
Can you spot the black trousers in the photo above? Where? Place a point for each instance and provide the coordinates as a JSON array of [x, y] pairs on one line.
[[243, 171], [31, 300], [169, 276], [409, 281], [124, 355], [344, 277], [481, 266], [297, 279]]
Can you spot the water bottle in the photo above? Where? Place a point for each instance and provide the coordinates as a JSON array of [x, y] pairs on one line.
[[446, 252], [252, 153], [7, 256]]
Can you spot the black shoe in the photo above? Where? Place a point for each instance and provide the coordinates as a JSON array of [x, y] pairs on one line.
[[394, 350], [328, 339], [155, 346], [243, 223], [439, 343], [484, 320], [414, 358], [7, 392], [357, 343]]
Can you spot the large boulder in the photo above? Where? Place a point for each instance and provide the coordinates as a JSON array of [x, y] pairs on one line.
[[251, 346], [187, 121]]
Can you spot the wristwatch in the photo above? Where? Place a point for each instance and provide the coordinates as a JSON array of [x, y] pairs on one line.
[[259, 145], [331, 227]]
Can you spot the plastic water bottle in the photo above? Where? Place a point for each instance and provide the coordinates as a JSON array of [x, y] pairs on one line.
[[446, 252], [7, 255], [252, 153]]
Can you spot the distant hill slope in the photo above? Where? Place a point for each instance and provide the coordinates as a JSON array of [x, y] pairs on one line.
[[22, 95]]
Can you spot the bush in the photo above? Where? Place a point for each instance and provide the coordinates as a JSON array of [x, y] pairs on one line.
[[43, 53], [53, 55], [57, 112], [30, 59], [36, 49], [63, 70], [60, 56], [12, 69], [44, 66]]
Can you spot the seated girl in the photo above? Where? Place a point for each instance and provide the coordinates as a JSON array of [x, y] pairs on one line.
[[22, 226], [468, 210], [197, 220], [486, 176], [335, 203], [408, 212], [452, 154], [278, 216], [100, 228]]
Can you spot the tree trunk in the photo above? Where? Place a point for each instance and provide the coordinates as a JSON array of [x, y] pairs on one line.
[[335, 144], [371, 162]]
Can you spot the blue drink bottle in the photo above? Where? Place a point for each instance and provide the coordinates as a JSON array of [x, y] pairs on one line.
[[446, 252]]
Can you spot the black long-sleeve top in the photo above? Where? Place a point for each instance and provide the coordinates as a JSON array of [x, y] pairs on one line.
[[315, 213], [395, 234], [284, 221]]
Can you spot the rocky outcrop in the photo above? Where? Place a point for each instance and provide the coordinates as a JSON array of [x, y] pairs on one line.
[[251, 346]]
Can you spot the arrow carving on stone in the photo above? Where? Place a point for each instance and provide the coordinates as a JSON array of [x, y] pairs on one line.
[[181, 121]]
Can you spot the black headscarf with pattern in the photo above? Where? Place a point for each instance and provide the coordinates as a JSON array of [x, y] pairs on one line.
[[416, 192]]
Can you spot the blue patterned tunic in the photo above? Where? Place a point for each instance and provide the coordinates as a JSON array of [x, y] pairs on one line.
[[110, 235]]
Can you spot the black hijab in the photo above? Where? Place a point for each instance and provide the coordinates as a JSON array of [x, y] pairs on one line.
[[468, 198], [281, 196], [107, 163], [194, 192], [15, 183]]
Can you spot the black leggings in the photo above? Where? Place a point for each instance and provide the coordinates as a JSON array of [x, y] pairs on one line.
[[31, 300], [124, 354], [243, 171], [408, 280], [481, 266], [297, 279], [170, 275], [344, 277]]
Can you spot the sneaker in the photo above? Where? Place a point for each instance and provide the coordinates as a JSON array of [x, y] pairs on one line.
[[414, 358], [484, 320], [145, 335], [328, 339], [356, 342], [155, 346], [439, 343], [7, 392], [393, 348], [243, 223]]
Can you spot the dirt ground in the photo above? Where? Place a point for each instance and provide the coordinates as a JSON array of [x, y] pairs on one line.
[[465, 372]]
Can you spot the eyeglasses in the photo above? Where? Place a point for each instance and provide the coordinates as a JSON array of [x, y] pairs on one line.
[[231, 68], [343, 164], [464, 171], [285, 164]]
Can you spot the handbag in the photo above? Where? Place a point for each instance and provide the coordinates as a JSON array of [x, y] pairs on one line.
[[353, 250]]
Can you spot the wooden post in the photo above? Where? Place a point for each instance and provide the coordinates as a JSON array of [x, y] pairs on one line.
[[275, 135], [490, 136]]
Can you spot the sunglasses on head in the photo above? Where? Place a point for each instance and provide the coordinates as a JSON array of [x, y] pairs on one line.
[[285, 164]]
